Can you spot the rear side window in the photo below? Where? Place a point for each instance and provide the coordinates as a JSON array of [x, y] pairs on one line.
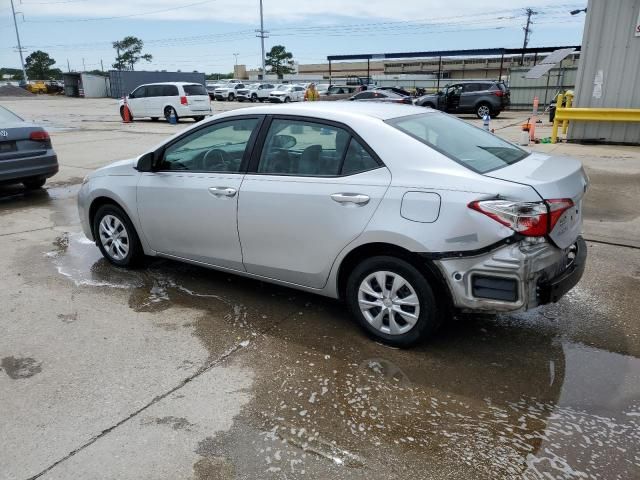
[[194, 90], [306, 148], [169, 91], [472, 147]]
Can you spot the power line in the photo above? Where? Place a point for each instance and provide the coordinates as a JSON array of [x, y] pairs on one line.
[[116, 17]]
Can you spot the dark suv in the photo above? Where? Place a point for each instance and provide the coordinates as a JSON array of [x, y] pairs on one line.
[[481, 97]]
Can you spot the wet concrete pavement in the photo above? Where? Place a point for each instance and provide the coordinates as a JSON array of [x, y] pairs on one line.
[[174, 371]]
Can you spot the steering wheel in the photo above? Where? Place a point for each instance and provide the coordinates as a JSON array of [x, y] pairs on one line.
[[219, 159]]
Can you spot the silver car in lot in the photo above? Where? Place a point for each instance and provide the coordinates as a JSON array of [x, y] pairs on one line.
[[26, 153], [406, 215]]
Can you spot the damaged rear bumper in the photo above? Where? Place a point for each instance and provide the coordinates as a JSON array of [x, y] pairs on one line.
[[516, 275]]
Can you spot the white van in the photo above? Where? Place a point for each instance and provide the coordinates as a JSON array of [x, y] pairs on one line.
[[157, 100]]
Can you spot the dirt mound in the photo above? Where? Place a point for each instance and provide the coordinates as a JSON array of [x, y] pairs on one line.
[[13, 91]]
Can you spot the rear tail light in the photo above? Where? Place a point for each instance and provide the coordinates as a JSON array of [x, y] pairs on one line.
[[39, 136], [498, 93], [532, 219], [183, 100]]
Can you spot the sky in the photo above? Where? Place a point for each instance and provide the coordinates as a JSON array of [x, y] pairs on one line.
[[202, 35]]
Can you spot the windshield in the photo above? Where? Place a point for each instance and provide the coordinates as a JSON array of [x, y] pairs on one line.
[[283, 87], [8, 116], [472, 147]]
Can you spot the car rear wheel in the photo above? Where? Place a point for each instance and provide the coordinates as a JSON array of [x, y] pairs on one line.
[[116, 237], [483, 109], [34, 183], [254, 97], [392, 301], [167, 114]]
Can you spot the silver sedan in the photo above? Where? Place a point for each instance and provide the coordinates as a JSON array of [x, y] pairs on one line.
[[405, 214]]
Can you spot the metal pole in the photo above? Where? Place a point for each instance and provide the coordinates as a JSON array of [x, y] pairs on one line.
[[527, 30], [15, 24], [101, 66], [262, 39], [68, 66], [329, 72], [84, 69], [439, 72], [501, 64], [368, 70]]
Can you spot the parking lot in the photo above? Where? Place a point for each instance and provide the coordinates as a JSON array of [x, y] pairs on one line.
[[175, 371]]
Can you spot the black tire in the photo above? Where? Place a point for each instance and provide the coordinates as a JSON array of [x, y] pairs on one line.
[[254, 98], [122, 114], [240, 99], [154, 119], [34, 183], [167, 114], [135, 253], [199, 118], [481, 108], [429, 317], [287, 99], [231, 97]]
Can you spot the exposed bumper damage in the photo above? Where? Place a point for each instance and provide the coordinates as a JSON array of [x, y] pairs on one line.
[[514, 277]]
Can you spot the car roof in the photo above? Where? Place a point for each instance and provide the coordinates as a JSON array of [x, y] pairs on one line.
[[171, 83], [334, 110]]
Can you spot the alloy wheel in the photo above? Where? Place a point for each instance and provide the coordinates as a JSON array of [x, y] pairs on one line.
[[483, 110], [388, 302], [114, 237]]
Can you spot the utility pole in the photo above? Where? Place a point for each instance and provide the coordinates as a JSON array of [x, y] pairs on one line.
[[68, 66], [236, 55], [101, 66], [527, 31], [84, 69], [262, 34], [15, 24]]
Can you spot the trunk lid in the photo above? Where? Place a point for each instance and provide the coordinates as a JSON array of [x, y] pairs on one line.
[[552, 177], [15, 142]]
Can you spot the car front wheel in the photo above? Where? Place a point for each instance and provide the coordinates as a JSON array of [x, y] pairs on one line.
[[231, 97], [116, 237], [287, 100], [392, 301]]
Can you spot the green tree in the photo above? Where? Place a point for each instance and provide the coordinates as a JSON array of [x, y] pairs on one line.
[[38, 66], [129, 52], [279, 60]]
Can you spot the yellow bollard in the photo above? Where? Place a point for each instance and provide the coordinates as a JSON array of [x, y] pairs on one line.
[[556, 123], [565, 123]]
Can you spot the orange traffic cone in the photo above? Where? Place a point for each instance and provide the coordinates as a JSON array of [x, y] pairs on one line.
[[126, 114]]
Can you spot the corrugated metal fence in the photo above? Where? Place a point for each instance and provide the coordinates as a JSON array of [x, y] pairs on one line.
[[123, 82], [523, 90]]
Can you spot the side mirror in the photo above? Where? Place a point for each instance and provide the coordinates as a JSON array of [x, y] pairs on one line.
[[145, 163]]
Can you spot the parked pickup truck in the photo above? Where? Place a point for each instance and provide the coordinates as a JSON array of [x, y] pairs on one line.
[[256, 92]]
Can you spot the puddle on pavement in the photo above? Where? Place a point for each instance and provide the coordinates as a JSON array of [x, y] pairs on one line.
[[227, 309], [485, 399], [489, 397]]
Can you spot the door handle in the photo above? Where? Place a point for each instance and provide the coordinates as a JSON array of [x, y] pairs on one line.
[[222, 191], [350, 198]]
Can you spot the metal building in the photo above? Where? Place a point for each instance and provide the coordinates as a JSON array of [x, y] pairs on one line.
[[124, 82], [78, 84], [609, 70]]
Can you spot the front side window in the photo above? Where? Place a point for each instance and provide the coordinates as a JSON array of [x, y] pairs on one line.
[[306, 148], [472, 147], [217, 148], [139, 92], [155, 91]]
